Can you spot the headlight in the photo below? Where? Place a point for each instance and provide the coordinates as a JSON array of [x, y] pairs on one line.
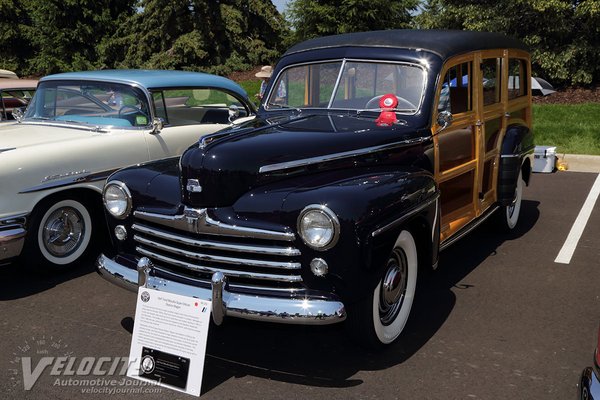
[[117, 199], [318, 227]]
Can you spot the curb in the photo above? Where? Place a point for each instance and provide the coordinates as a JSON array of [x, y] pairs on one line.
[[580, 162]]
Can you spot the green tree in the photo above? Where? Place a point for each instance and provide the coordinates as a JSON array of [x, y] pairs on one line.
[[215, 36], [65, 34], [14, 47], [312, 18], [563, 34]]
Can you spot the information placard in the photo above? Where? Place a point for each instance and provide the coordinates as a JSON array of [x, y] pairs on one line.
[[169, 340]]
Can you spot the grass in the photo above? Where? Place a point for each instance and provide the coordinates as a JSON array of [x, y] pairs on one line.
[[573, 128]]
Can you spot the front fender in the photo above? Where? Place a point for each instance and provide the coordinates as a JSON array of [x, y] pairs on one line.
[[371, 208], [515, 157]]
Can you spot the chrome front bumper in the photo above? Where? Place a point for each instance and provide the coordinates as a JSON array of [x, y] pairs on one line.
[[12, 236], [299, 310]]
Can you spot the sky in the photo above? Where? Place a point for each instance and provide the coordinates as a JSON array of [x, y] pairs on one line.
[[280, 4]]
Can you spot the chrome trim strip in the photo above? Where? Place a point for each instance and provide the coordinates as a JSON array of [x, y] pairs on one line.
[[7, 149], [467, 228], [241, 248], [198, 221], [233, 273], [17, 219], [217, 259], [337, 156], [233, 285], [406, 216], [93, 177], [320, 309], [510, 156]]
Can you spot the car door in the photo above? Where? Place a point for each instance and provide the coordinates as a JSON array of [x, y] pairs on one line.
[[457, 146], [188, 114]]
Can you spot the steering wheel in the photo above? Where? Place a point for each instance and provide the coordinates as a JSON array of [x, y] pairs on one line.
[[402, 103], [135, 110]]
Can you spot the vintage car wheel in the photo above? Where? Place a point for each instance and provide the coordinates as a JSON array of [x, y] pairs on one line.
[[380, 319], [59, 235], [509, 215]]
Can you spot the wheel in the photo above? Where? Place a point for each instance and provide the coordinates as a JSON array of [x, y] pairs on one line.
[[509, 215], [379, 319], [402, 103], [59, 235]]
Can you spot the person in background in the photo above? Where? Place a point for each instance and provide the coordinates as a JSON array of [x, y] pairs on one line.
[[264, 74]]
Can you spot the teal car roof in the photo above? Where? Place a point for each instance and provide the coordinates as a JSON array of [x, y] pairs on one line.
[[153, 79]]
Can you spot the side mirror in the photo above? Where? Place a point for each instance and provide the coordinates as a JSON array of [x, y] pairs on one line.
[[444, 120], [18, 113], [157, 125], [234, 112]]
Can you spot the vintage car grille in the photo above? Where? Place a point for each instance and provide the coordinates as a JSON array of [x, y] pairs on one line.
[[247, 262]]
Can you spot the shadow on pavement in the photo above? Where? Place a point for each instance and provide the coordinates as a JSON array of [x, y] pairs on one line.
[[324, 356]]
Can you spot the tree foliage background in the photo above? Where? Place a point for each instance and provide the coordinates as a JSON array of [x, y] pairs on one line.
[[564, 35], [39, 37]]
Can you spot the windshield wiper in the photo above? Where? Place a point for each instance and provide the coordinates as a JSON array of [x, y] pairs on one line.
[[387, 109], [282, 106]]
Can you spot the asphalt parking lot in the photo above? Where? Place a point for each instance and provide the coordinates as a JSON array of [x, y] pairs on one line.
[[498, 320]]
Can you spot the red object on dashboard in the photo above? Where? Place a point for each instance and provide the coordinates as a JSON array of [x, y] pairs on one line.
[[387, 103]]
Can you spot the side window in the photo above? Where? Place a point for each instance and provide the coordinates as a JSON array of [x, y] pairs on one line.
[[195, 106], [517, 78], [456, 92], [491, 69]]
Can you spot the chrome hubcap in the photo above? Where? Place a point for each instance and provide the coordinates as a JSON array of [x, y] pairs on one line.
[[63, 231], [393, 287]]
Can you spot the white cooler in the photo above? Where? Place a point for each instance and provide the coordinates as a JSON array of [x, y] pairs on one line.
[[544, 159]]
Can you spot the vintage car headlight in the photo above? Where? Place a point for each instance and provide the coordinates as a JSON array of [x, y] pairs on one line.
[[117, 199], [318, 227]]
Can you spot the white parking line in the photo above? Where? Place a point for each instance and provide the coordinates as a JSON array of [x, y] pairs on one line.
[[565, 254]]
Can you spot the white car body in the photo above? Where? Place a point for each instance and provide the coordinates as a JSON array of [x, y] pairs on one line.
[[44, 162]]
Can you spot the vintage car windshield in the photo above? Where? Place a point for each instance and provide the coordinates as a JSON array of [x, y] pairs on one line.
[[348, 85], [89, 103]]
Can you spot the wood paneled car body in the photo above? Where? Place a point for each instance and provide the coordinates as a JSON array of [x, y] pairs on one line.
[[372, 151], [79, 128]]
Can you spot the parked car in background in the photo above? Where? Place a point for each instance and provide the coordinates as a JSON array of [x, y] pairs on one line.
[[372, 151], [15, 94], [6, 74], [589, 385], [78, 129]]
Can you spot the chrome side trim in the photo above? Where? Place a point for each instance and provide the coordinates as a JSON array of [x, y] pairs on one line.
[[94, 177], [319, 309], [510, 156], [216, 259], [198, 221], [467, 228], [406, 216], [233, 273], [241, 248], [17, 219], [338, 156], [7, 149]]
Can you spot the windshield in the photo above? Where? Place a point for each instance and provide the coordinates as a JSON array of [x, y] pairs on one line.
[[89, 103], [348, 85]]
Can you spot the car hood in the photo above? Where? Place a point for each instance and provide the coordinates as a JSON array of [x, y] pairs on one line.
[[234, 163], [25, 135]]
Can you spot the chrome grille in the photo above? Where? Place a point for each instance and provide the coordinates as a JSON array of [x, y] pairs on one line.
[[247, 262]]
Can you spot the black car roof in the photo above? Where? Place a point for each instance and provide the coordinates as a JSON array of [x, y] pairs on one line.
[[445, 43]]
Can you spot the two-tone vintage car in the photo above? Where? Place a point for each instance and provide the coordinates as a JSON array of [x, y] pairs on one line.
[[372, 151], [78, 129]]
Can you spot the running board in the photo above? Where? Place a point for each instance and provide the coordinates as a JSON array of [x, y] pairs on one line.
[[467, 228]]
